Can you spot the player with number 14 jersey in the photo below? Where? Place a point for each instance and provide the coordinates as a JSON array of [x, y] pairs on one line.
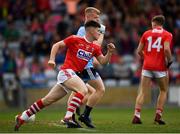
[[153, 41]]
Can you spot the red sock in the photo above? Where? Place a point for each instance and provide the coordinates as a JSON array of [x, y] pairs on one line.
[[159, 113], [34, 108], [74, 103], [137, 112]]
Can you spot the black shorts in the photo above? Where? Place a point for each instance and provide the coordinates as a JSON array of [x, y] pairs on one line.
[[88, 74]]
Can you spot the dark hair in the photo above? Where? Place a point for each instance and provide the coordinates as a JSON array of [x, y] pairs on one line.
[[158, 19], [92, 24]]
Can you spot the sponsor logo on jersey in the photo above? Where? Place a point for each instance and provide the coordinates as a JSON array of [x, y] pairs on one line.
[[82, 54]]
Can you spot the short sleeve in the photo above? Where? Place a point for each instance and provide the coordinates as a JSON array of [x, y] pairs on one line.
[[142, 40], [168, 38], [69, 40], [98, 51]]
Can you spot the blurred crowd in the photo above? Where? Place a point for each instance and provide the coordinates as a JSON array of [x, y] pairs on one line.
[[28, 29]]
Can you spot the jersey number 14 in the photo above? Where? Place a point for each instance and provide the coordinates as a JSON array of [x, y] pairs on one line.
[[156, 44]]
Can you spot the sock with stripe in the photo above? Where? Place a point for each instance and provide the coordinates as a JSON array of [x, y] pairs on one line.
[[33, 109], [74, 103], [159, 112], [137, 112]]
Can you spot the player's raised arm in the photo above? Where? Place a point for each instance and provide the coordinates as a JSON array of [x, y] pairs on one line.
[[105, 59], [54, 51]]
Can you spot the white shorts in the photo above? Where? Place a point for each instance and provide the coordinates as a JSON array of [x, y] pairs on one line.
[[155, 74], [64, 75]]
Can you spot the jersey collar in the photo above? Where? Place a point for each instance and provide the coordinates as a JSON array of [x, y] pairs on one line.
[[86, 39]]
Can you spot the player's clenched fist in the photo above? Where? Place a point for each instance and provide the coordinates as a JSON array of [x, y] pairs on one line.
[[111, 47], [51, 63]]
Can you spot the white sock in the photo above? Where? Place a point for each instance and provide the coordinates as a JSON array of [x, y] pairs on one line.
[[68, 114], [24, 116]]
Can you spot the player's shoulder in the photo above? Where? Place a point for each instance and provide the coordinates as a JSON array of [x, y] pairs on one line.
[[81, 28], [148, 32], [167, 33]]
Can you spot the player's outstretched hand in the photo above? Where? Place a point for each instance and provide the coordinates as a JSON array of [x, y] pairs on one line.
[[111, 47], [51, 63]]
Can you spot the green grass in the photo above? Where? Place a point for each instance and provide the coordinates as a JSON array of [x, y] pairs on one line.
[[107, 120]]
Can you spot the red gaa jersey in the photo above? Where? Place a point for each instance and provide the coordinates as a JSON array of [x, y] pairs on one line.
[[79, 52], [153, 40]]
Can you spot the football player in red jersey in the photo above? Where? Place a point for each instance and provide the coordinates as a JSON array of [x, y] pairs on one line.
[[154, 47], [79, 51], [89, 75]]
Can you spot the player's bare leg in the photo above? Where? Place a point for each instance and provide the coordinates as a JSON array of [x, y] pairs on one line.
[[142, 92], [100, 90], [92, 100], [163, 84], [56, 93]]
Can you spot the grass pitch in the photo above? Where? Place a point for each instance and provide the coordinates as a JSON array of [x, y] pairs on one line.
[[107, 120]]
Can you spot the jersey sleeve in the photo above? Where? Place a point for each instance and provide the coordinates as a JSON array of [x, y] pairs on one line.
[[98, 51], [168, 38], [81, 32], [69, 40], [142, 40]]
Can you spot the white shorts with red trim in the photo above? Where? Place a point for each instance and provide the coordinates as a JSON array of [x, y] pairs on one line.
[[155, 74], [64, 75]]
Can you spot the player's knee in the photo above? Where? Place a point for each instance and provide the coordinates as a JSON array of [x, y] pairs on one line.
[[85, 91], [100, 92], [91, 91]]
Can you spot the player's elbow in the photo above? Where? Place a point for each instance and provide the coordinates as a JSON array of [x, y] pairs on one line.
[[104, 62], [139, 52], [166, 49]]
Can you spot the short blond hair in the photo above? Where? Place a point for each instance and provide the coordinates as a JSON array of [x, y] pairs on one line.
[[91, 10]]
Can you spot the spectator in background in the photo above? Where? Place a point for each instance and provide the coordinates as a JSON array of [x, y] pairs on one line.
[[41, 47], [10, 65], [122, 72], [11, 33], [175, 68], [37, 74], [23, 70], [26, 46], [71, 6]]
